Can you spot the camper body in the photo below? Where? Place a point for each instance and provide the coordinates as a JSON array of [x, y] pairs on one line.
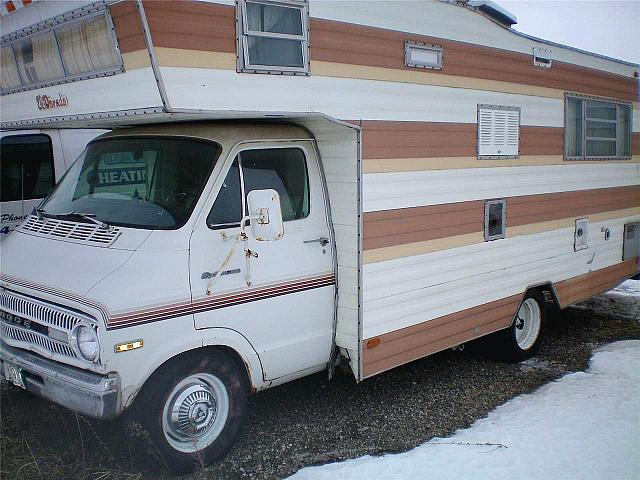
[[440, 178], [32, 162]]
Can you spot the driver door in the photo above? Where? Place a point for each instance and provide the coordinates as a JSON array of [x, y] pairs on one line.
[[280, 295]]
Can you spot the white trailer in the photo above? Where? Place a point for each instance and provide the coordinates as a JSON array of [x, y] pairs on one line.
[[289, 185]]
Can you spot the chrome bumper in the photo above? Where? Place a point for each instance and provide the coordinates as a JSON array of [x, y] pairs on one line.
[[87, 393]]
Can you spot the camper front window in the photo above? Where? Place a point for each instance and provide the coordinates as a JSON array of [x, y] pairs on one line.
[[138, 182]]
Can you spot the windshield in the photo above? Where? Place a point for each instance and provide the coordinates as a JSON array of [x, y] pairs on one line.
[[139, 182]]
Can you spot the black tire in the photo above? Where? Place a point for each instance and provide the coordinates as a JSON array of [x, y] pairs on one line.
[[150, 407], [504, 344]]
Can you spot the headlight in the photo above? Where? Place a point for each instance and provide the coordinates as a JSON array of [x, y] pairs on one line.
[[85, 341]]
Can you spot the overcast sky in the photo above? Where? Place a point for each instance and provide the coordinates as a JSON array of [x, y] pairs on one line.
[[608, 27]]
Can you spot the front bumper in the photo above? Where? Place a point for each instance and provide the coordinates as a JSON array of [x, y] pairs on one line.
[[88, 393]]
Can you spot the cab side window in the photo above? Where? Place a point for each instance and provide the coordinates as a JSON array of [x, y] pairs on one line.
[[27, 167], [281, 169], [285, 171], [227, 209]]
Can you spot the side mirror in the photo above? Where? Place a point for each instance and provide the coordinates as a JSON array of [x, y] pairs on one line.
[[265, 215]]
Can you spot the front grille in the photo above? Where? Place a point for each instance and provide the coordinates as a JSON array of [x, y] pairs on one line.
[[25, 336], [78, 232], [57, 321]]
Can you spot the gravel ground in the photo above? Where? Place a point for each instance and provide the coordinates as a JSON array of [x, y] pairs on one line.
[[312, 420]]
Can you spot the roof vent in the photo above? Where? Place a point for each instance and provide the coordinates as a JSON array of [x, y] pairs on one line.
[[495, 11], [542, 57]]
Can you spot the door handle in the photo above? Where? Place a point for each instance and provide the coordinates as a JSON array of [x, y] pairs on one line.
[[324, 241]]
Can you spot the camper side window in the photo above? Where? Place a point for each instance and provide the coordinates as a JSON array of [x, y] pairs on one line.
[[597, 130], [273, 37]]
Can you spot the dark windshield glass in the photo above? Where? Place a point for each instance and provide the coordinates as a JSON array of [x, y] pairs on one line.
[[137, 182]]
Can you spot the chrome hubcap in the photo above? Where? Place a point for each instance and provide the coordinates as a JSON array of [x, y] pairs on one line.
[[527, 324], [195, 412]]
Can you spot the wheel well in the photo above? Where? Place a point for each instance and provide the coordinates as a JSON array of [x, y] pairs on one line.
[[198, 352], [548, 292]]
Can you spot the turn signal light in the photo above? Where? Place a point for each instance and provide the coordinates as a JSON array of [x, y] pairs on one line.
[[125, 347]]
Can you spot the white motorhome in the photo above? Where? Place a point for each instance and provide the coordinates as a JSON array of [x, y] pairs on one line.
[[32, 162], [288, 185]]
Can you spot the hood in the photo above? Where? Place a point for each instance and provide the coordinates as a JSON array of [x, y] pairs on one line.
[[69, 266]]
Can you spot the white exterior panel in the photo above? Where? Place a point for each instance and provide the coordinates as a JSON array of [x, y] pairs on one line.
[[384, 191]]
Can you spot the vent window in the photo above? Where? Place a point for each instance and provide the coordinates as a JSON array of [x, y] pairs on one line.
[[542, 57], [273, 37], [494, 219], [83, 48], [423, 55], [597, 129], [498, 131]]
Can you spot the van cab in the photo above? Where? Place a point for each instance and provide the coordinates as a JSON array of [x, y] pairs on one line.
[[152, 275]]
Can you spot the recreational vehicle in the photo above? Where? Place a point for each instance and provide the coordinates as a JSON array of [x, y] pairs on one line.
[[32, 162], [291, 185]]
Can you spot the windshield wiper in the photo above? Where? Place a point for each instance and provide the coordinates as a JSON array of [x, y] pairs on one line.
[[86, 216]]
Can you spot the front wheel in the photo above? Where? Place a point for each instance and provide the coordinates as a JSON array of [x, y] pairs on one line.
[[194, 408]]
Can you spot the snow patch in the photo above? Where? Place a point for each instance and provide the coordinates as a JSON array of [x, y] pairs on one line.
[[630, 287], [584, 425]]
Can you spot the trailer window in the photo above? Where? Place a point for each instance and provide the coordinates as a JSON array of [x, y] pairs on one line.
[[273, 36], [138, 182], [27, 167], [596, 129], [82, 47]]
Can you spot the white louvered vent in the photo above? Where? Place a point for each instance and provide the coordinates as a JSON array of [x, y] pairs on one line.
[[77, 232], [498, 131]]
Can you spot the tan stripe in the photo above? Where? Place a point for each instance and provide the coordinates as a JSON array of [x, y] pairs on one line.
[[585, 286], [569, 222], [137, 59], [419, 248], [386, 165], [388, 228], [426, 77], [408, 344]]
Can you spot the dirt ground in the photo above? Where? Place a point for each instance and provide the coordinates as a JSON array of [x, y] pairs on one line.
[[312, 420]]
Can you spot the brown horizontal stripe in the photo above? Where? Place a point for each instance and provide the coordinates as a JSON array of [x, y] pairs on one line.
[[333, 41], [126, 22], [389, 139], [211, 27], [408, 225], [553, 206], [410, 343], [388, 228], [586, 286], [635, 143], [192, 25]]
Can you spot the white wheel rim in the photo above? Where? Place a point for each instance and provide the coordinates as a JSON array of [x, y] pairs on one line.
[[195, 412], [527, 324]]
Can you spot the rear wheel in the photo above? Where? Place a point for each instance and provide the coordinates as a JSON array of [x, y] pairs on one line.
[[194, 408]]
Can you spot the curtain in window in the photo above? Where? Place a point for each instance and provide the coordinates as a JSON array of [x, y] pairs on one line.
[[624, 130], [38, 59], [87, 46], [10, 77]]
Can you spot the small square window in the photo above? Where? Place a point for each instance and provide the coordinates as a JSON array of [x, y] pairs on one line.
[[422, 55], [494, 219], [273, 36]]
